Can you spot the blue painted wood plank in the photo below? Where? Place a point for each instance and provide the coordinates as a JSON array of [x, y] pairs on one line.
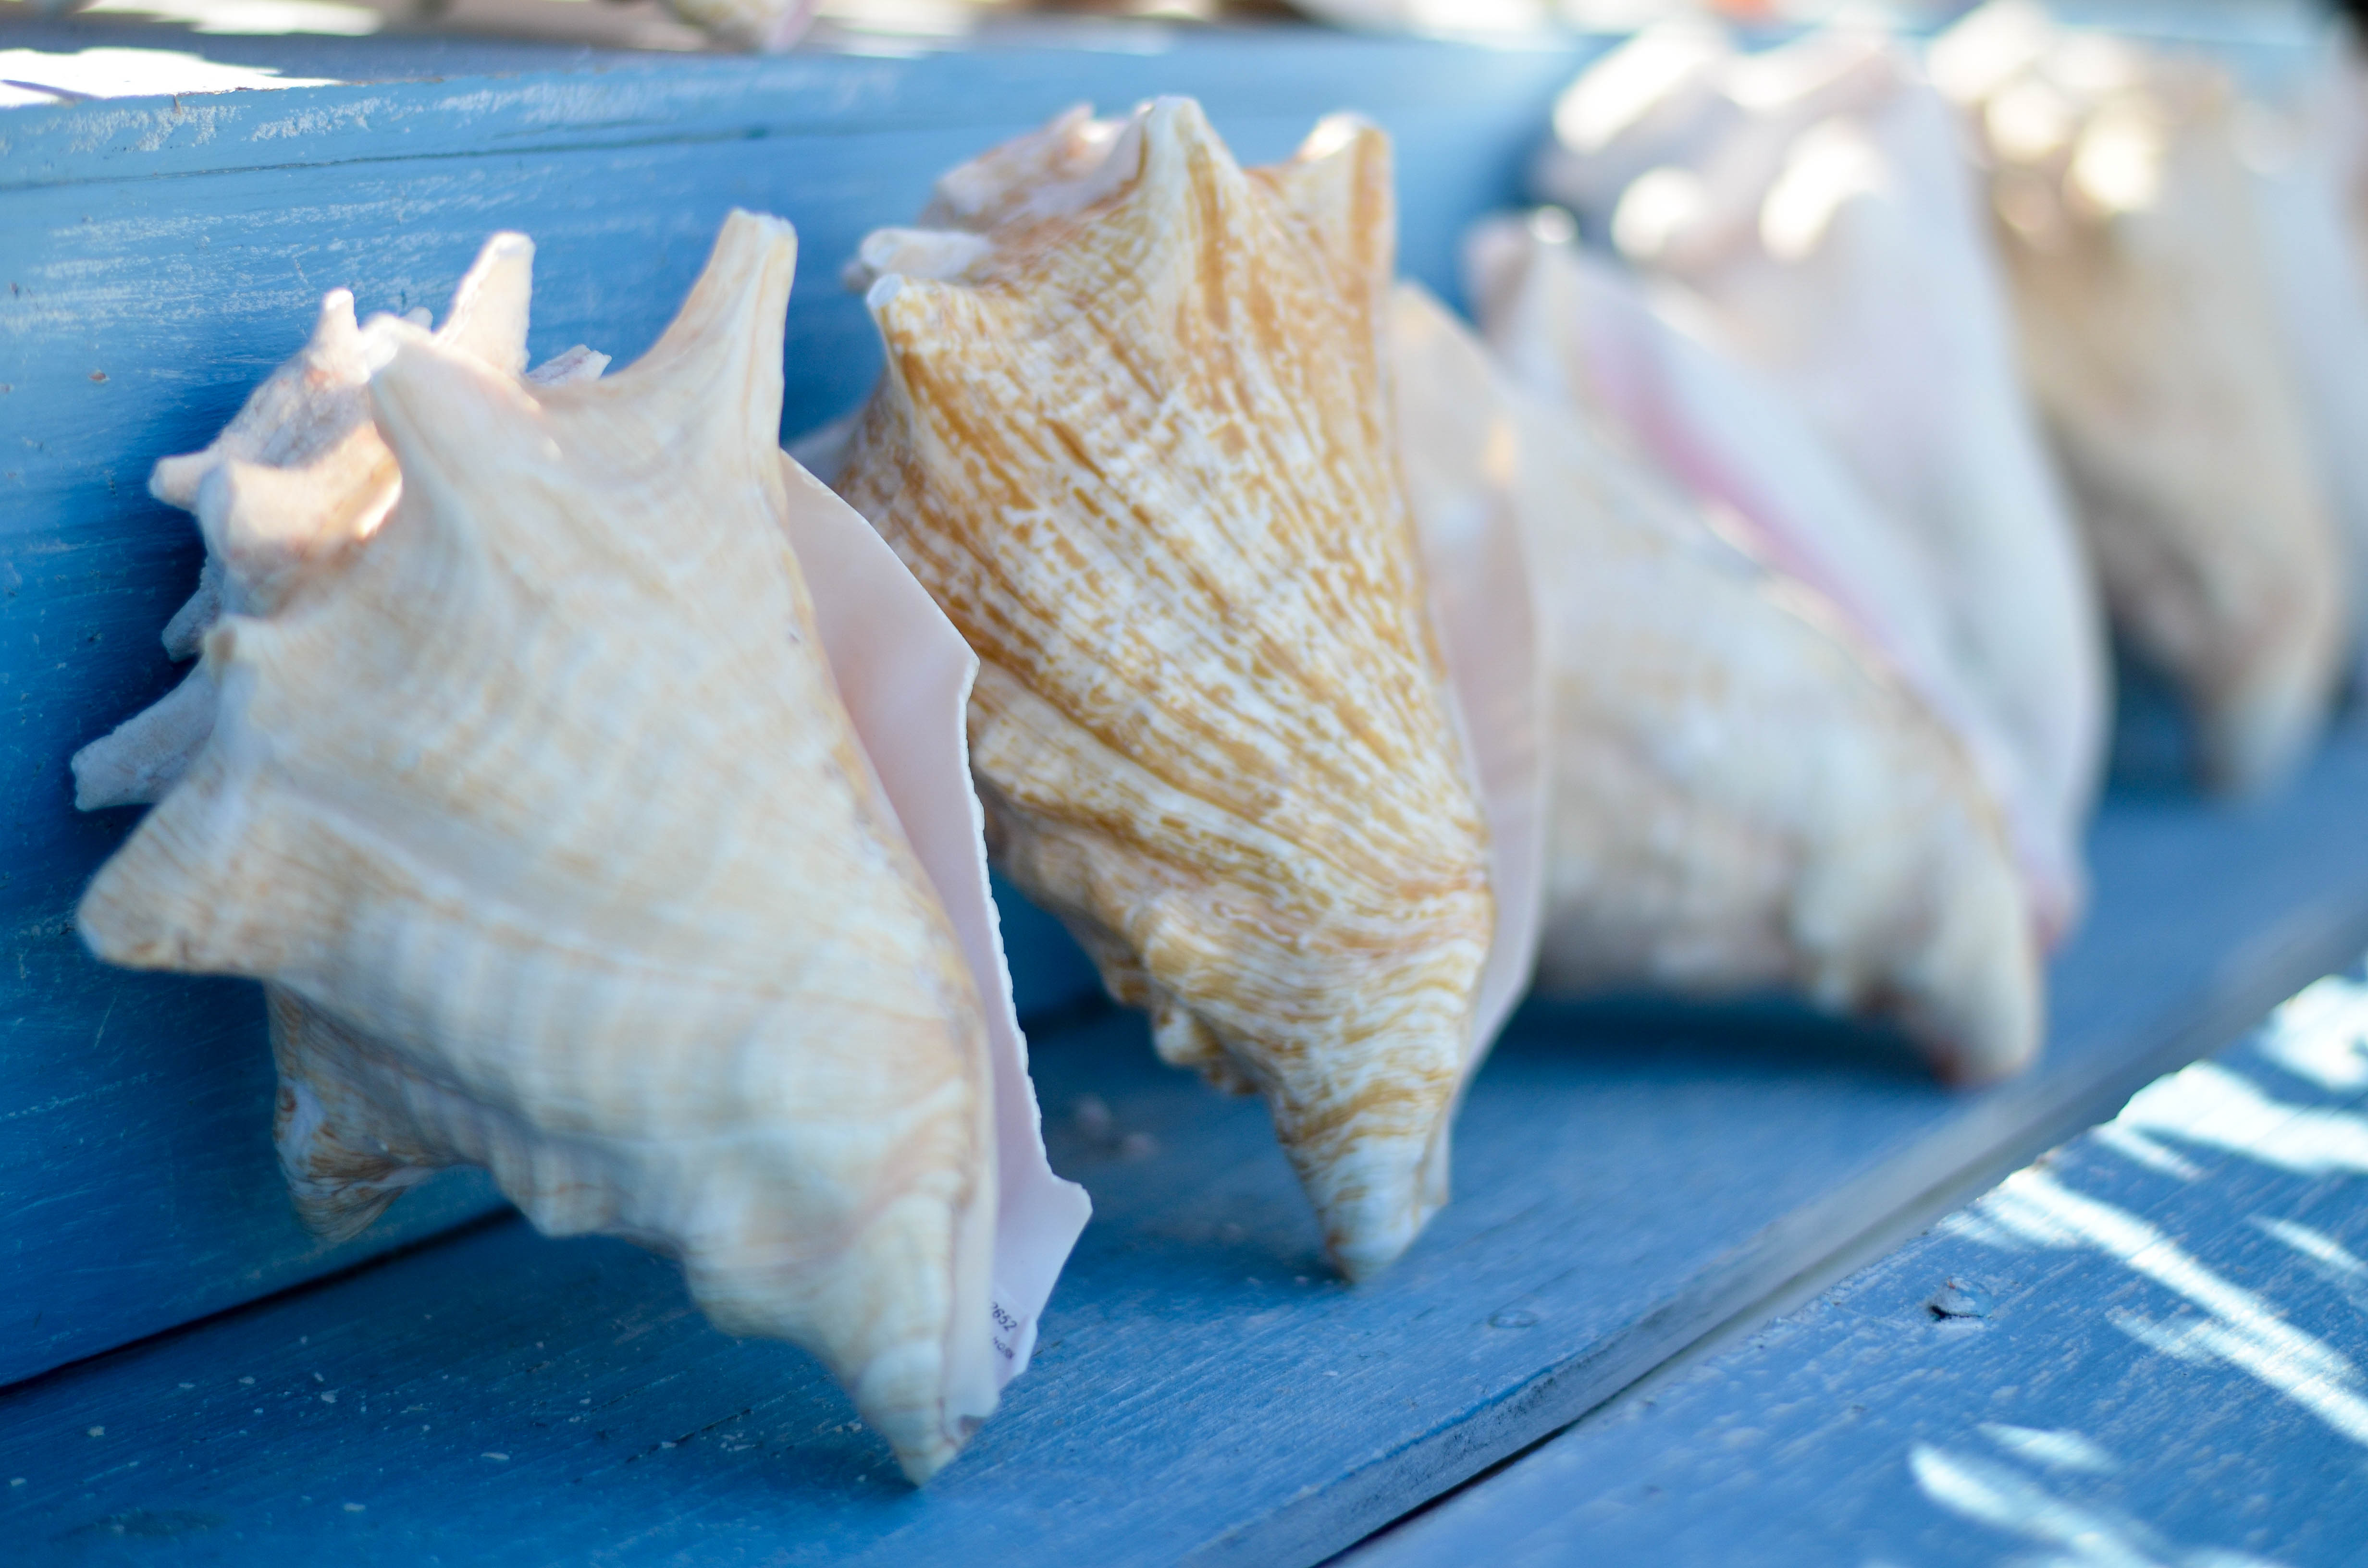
[[2160, 1359], [1625, 1180], [160, 258]]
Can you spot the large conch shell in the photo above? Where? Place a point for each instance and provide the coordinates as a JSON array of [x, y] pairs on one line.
[[1579, 334], [1807, 210], [528, 793], [2150, 335], [1134, 436], [1743, 795]]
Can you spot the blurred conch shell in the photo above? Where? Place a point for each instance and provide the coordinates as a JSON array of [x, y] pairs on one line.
[[2303, 152], [1134, 436], [767, 27], [524, 793], [1579, 334], [2150, 335], [1433, 17], [1808, 212], [1742, 795]]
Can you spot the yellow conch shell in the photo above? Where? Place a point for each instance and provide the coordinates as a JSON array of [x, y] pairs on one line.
[[1134, 435]]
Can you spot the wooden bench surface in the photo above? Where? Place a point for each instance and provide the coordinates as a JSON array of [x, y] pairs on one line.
[[1626, 1182], [2157, 1357]]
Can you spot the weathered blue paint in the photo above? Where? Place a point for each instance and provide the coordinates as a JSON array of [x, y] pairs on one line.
[[2203, 1396], [1625, 1180], [158, 256]]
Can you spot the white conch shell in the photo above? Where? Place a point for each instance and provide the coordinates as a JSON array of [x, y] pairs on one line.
[[531, 799], [1137, 444], [2151, 340], [311, 416], [1579, 334], [1807, 210], [1742, 796]]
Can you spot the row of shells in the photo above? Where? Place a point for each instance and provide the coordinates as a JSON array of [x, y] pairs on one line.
[[604, 799]]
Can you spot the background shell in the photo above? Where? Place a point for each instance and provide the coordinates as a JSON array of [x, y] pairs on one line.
[[1742, 797], [2151, 341], [1582, 335], [1808, 212]]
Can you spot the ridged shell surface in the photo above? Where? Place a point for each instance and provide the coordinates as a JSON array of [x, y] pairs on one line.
[[2150, 337], [543, 799], [1134, 435], [306, 436], [1742, 796], [311, 420]]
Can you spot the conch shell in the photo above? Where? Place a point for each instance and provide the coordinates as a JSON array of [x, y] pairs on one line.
[[1134, 436], [313, 414], [527, 792], [2150, 336], [1808, 212], [1580, 334], [768, 26], [1743, 795]]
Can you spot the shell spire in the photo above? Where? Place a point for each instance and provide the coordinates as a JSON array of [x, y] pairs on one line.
[[528, 800], [298, 475], [1134, 437]]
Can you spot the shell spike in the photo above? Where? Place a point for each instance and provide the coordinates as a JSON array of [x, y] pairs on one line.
[[186, 630], [286, 415], [1339, 183], [488, 317], [145, 756], [452, 423], [725, 332], [178, 895], [267, 524], [1180, 147], [977, 195]]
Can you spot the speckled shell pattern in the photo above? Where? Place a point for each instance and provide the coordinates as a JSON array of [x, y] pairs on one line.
[[2150, 338], [544, 800], [1134, 435], [1742, 796]]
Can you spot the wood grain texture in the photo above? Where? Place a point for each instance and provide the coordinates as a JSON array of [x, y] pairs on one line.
[[160, 257], [2176, 1375], [1625, 1180]]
